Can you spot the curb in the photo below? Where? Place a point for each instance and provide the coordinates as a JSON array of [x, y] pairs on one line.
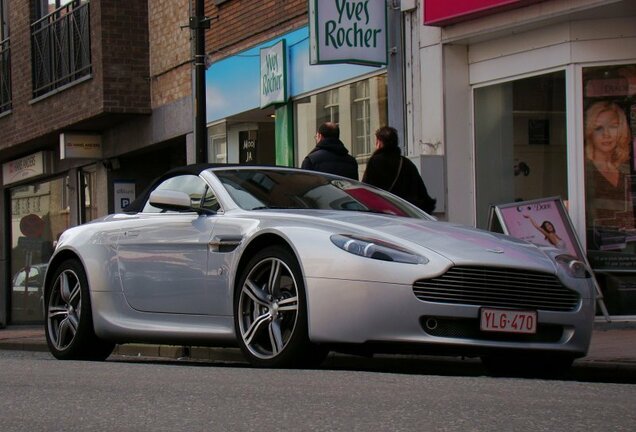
[[599, 367], [233, 355]]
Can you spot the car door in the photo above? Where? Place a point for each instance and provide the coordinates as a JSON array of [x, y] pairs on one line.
[[163, 255]]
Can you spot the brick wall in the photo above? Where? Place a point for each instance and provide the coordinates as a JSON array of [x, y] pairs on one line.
[[170, 50], [140, 57], [29, 120], [245, 23], [124, 33], [119, 83]]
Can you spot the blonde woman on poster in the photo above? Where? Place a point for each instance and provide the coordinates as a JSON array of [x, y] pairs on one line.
[[607, 153]]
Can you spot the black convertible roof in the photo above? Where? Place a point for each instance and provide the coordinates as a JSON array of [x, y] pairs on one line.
[[195, 169]]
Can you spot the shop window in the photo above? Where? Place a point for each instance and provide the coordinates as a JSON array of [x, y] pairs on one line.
[[520, 142], [38, 217], [89, 207], [328, 108], [66, 195], [609, 131], [359, 108], [217, 148]]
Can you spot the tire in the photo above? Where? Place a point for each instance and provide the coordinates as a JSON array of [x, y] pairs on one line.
[[270, 312], [68, 316], [542, 365]]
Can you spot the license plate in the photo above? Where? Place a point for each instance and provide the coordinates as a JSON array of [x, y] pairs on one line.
[[508, 321]]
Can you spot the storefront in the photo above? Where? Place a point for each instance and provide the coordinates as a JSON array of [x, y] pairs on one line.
[[240, 131], [48, 191], [552, 90], [42, 199]]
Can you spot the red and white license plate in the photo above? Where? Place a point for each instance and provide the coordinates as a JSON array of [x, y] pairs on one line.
[[508, 321]]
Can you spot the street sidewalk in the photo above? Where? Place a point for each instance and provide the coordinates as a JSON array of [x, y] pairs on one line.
[[613, 346]]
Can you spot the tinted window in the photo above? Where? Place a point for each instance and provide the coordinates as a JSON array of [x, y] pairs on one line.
[[262, 189]]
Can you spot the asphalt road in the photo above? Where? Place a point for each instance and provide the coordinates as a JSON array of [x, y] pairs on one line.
[[43, 394]]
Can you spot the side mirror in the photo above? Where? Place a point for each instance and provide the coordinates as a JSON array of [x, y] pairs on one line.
[[171, 200]]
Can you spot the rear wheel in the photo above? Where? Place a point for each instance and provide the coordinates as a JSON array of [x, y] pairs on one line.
[[69, 322], [270, 312]]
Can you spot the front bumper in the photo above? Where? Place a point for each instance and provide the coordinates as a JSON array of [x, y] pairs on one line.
[[382, 314]]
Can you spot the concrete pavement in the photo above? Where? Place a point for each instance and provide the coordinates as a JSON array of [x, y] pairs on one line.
[[613, 346]]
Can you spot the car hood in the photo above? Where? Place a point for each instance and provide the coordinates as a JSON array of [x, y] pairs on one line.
[[460, 244]]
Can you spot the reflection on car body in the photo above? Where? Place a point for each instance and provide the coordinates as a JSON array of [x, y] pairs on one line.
[[289, 264]]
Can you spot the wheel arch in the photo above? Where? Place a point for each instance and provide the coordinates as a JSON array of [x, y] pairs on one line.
[[256, 244], [57, 259]]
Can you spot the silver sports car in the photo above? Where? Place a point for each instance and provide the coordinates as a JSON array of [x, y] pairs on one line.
[[291, 264]]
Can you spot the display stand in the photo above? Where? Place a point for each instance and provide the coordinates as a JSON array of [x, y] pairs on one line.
[[518, 220]]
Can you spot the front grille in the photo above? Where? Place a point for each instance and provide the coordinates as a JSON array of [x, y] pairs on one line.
[[498, 287]]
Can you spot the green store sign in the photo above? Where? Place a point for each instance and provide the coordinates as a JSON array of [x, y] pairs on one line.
[[347, 31], [274, 74]]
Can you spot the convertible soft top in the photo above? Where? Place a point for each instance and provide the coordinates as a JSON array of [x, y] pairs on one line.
[[195, 169]]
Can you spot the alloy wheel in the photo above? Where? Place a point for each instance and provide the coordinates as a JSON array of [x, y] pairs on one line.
[[268, 308], [64, 311]]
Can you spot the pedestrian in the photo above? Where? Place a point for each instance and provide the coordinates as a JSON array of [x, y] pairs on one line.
[[389, 170], [330, 155]]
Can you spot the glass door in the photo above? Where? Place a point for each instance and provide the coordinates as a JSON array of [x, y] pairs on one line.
[[520, 141], [39, 214]]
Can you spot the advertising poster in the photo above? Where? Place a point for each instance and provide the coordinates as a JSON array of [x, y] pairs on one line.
[[609, 131], [543, 222]]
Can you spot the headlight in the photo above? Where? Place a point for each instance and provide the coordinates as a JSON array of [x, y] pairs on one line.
[[371, 248], [573, 266]]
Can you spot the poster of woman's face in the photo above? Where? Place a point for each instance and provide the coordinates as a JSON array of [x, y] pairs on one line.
[[607, 134], [609, 156], [542, 222]]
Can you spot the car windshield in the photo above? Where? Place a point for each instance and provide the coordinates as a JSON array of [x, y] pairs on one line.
[[287, 189]]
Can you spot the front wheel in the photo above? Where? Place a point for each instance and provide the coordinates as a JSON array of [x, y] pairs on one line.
[[270, 312], [69, 322]]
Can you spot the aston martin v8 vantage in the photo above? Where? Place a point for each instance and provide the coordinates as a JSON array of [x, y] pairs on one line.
[[290, 264]]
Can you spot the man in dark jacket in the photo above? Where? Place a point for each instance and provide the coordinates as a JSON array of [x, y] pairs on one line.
[[330, 155]]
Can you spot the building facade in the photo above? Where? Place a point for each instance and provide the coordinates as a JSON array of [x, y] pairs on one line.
[[97, 100], [241, 129], [95, 103], [535, 99], [497, 102]]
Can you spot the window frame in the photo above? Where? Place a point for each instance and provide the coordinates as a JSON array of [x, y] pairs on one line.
[[4, 19]]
